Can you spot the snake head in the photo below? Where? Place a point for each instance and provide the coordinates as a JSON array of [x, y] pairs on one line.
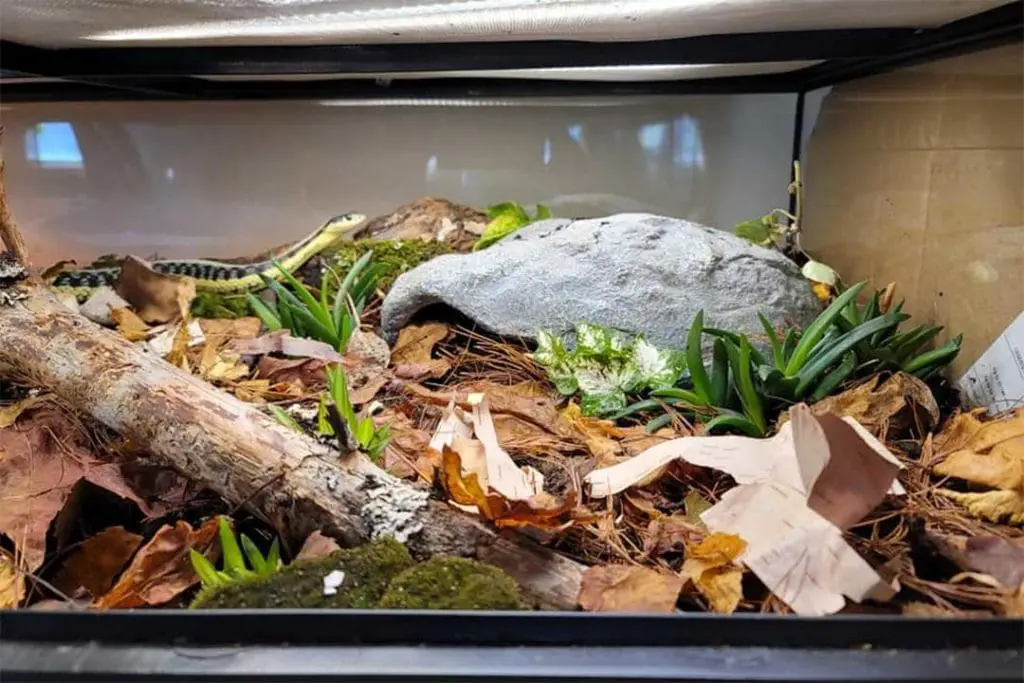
[[343, 223]]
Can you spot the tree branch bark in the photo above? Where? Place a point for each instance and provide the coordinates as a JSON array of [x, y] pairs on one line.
[[10, 236], [250, 459]]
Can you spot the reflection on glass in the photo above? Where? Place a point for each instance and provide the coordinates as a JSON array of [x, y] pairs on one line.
[[52, 144], [232, 179]]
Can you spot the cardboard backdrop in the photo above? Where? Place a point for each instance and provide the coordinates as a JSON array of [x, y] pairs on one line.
[[917, 177]]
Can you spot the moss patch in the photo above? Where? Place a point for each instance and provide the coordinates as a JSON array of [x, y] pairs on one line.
[[394, 256], [368, 571], [452, 583], [207, 305]]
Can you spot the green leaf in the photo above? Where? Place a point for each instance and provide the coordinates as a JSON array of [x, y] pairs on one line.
[[681, 395], [204, 569], [810, 373], [634, 408], [817, 329], [657, 423], [789, 345], [935, 359], [323, 423], [735, 338], [602, 404], [274, 556], [656, 368], [777, 385], [285, 419], [695, 360], [836, 377], [719, 374], [749, 397], [234, 565], [816, 271], [773, 338], [735, 422], [914, 342], [256, 559], [263, 312], [543, 212], [312, 305], [754, 230]]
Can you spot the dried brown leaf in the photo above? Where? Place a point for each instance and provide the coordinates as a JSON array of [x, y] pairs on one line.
[[621, 588], [42, 458], [219, 330], [282, 342], [992, 456], [893, 404], [97, 561], [710, 566], [12, 582], [995, 506], [311, 373], [161, 570], [1000, 558], [253, 390], [156, 297], [130, 325], [416, 343], [10, 414], [317, 545]]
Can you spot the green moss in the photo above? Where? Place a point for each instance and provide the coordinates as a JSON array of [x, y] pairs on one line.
[[452, 583], [368, 571], [394, 256], [207, 305]]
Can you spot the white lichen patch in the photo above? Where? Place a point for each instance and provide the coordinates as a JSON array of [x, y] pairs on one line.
[[10, 268], [9, 297], [393, 508]]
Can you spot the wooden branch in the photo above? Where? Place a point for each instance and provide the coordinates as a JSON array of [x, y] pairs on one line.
[[10, 236], [245, 455]]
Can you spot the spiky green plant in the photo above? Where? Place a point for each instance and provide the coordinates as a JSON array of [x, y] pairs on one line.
[[333, 317], [846, 341], [235, 567], [371, 439]]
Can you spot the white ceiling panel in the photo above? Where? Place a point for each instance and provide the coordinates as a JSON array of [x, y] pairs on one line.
[[109, 23]]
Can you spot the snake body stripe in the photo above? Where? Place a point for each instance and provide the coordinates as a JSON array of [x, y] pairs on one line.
[[217, 276]]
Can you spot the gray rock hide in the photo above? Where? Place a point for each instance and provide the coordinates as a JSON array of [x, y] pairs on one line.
[[635, 272]]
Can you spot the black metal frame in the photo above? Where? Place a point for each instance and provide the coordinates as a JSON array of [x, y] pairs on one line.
[[379, 645], [170, 72], [313, 645]]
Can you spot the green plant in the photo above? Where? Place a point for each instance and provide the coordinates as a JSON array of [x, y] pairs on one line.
[[604, 366], [330, 319], [234, 564], [371, 439], [506, 218], [744, 389]]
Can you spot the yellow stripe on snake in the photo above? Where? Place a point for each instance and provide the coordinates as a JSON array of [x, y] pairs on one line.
[[217, 276]]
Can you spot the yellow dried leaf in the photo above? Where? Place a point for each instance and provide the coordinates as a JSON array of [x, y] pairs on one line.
[[10, 414], [822, 291], [895, 403], [1001, 468], [130, 325], [178, 355], [225, 367], [12, 582], [710, 567], [620, 588], [252, 390], [995, 506]]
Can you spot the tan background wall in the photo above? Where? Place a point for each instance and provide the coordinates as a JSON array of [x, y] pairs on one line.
[[918, 177]]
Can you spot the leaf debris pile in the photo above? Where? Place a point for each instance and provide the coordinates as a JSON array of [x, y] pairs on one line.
[[483, 424]]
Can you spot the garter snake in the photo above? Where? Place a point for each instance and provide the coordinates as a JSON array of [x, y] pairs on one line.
[[216, 276]]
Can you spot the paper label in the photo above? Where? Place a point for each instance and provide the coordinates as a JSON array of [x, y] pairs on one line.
[[996, 380]]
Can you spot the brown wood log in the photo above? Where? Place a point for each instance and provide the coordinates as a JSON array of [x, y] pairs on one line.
[[245, 455]]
